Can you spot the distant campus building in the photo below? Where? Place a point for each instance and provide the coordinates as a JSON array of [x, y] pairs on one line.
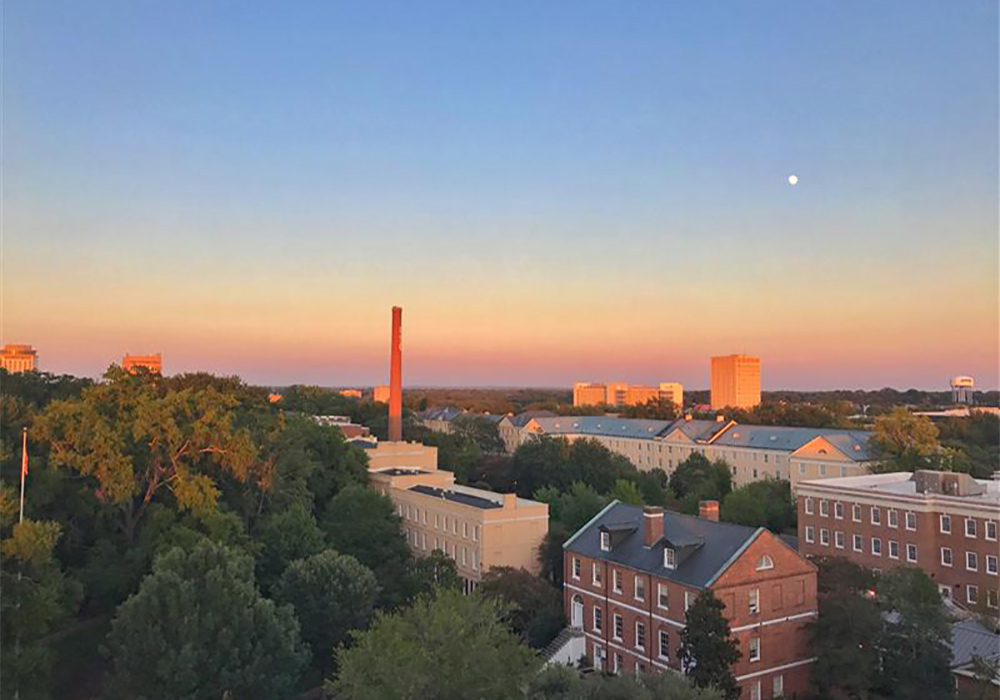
[[735, 381], [151, 363], [622, 394], [632, 573], [18, 358], [943, 522], [380, 394]]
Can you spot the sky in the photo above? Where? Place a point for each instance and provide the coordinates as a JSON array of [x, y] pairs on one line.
[[553, 192]]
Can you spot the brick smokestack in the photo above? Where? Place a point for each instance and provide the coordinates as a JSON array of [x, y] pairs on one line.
[[396, 378], [652, 525], [708, 510]]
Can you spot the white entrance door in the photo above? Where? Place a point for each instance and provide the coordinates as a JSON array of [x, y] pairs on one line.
[[576, 618]]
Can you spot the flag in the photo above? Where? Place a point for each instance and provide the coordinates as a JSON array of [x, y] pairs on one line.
[[24, 454]]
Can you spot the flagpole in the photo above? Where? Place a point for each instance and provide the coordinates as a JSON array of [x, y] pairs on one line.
[[24, 467]]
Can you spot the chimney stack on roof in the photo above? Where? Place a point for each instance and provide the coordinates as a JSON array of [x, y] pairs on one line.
[[510, 500], [652, 525], [396, 378], [708, 510]]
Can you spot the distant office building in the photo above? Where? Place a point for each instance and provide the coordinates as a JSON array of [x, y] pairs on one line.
[[19, 358], [622, 394], [151, 363], [347, 428], [943, 522], [962, 390], [735, 381], [274, 398], [380, 394], [351, 393]]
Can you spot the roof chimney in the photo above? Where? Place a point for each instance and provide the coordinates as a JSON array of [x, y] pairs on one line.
[[396, 378], [652, 525], [687, 416], [719, 418], [708, 510], [510, 500]]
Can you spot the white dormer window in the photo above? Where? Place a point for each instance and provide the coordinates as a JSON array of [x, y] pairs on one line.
[[765, 563], [670, 558], [606, 541]]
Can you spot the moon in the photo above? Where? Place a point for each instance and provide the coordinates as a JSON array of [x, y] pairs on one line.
[[793, 180]]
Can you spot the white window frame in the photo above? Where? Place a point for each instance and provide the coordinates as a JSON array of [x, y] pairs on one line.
[[838, 510], [640, 586], [992, 564], [911, 553], [596, 574], [596, 620], [911, 521], [950, 558], [856, 512], [824, 508], [876, 515], [753, 651], [974, 527], [662, 592], [605, 541], [640, 625], [753, 601], [616, 581], [891, 555], [824, 537], [617, 627], [973, 558], [990, 525], [893, 518], [858, 543], [838, 539], [664, 643], [576, 568], [778, 686], [810, 534], [878, 541], [944, 518], [809, 505], [669, 558], [971, 594]]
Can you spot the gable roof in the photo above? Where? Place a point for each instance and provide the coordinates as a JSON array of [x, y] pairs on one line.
[[714, 545], [607, 426], [445, 413], [969, 638], [521, 419], [786, 439], [698, 430]]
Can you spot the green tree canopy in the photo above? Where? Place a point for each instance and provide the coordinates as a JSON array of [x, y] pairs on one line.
[[697, 478], [627, 492], [198, 628], [284, 537], [708, 649], [565, 683], [448, 646], [533, 607], [333, 595], [903, 441], [766, 503]]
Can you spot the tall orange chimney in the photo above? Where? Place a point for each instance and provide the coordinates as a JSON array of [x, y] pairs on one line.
[[396, 378]]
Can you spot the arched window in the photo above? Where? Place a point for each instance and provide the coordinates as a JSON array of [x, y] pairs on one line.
[[765, 563]]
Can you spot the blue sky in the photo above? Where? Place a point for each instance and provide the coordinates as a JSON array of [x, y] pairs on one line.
[[554, 191]]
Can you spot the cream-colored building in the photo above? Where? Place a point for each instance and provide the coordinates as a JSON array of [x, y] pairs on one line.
[[735, 381], [380, 394], [150, 363], [477, 528], [623, 394], [18, 358]]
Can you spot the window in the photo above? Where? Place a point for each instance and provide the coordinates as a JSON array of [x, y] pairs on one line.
[[992, 596], [972, 561], [991, 564], [822, 470], [824, 537], [640, 635], [876, 546], [991, 530], [423, 540], [911, 520], [754, 601], [423, 517], [664, 644], [911, 553], [465, 530], [838, 539], [619, 662], [596, 575], [945, 556], [946, 524], [465, 560], [475, 560], [765, 563], [618, 628], [669, 558], [970, 527], [616, 580], [576, 568], [802, 469], [893, 517], [893, 549], [778, 687], [663, 596], [606, 541], [824, 508], [475, 533], [810, 534], [859, 544], [972, 594], [688, 599], [597, 620], [755, 691], [640, 588], [838, 510], [754, 649], [809, 505], [876, 515], [856, 513]]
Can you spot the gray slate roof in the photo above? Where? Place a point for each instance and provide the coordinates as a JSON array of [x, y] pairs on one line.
[[969, 638], [521, 419], [603, 425], [445, 413], [457, 497], [713, 545], [790, 439]]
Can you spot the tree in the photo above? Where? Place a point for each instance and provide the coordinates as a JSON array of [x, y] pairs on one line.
[[198, 628], [550, 553], [363, 523], [697, 478], [903, 441], [627, 492], [533, 607], [661, 408], [844, 637], [436, 570], [447, 646], [481, 430], [767, 503], [332, 594], [36, 596], [284, 537], [915, 641], [708, 649], [558, 682], [137, 441]]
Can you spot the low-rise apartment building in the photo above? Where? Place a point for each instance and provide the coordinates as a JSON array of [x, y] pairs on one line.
[[511, 428], [478, 529], [439, 419], [622, 394], [18, 358], [150, 363], [631, 574], [943, 522]]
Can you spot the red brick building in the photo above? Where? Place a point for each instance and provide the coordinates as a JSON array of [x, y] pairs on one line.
[[943, 522], [631, 573]]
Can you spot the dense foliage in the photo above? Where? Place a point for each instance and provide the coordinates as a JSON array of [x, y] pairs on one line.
[[563, 683], [708, 649]]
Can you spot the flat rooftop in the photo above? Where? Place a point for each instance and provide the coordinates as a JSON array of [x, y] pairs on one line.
[[905, 484], [402, 471], [469, 496]]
